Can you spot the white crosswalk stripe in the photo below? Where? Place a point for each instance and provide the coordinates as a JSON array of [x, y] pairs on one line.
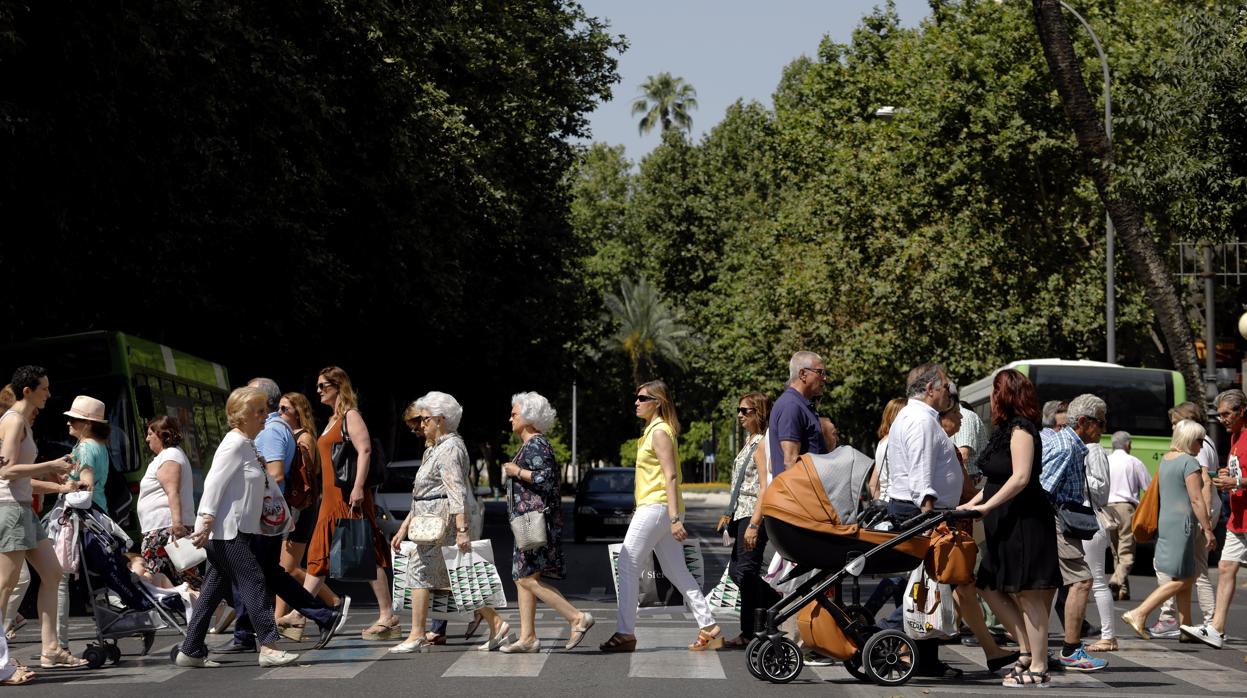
[[661, 653]]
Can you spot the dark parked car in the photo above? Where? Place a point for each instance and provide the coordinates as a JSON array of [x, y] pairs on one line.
[[604, 503]]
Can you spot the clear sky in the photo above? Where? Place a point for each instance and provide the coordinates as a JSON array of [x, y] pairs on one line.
[[727, 49]]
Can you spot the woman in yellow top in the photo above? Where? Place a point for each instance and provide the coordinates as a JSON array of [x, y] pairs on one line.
[[656, 525]]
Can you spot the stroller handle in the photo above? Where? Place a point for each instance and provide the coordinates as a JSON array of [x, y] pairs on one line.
[[963, 514]]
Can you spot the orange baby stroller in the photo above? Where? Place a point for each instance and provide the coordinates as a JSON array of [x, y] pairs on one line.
[[811, 517]]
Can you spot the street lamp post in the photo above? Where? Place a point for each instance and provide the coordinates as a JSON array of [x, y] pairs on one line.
[[1110, 301]]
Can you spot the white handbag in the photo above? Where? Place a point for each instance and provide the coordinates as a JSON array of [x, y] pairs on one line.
[[427, 529], [183, 554]]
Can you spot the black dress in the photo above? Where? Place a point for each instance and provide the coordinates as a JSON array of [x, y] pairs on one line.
[[1020, 550]]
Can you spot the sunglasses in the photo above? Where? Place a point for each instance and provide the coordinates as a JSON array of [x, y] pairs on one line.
[[285, 409], [426, 417], [820, 371], [745, 411], [1097, 420], [646, 398], [322, 387]]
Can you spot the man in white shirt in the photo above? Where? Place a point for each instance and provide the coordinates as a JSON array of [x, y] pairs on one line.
[[1126, 479], [925, 474]]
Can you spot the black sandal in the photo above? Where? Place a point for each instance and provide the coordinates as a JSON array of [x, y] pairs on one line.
[[995, 665], [1023, 678], [941, 671]]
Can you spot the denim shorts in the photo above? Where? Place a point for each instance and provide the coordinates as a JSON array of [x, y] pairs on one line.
[[19, 528]]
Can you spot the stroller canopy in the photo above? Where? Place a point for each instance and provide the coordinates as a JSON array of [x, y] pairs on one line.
[[820, 492]]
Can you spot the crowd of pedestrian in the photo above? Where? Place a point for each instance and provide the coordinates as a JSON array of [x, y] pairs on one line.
[[1054, 507]]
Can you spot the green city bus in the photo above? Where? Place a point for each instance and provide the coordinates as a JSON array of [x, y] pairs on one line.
[[1138, 399], [137, 379]]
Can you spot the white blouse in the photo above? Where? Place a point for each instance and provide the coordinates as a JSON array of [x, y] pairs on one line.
[[153, 505], [234, 488]]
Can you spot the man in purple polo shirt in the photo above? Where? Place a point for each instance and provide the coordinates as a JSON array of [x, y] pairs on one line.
[[793, 426]]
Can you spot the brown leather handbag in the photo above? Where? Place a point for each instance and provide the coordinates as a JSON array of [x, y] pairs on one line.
[[301, 485], [950, 558], [1147, 514]]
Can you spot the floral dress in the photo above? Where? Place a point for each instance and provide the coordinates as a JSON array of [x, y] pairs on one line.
[[439, 488], [537, 457]]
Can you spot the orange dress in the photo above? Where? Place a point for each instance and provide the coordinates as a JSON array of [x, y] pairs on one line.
[[334, 506]]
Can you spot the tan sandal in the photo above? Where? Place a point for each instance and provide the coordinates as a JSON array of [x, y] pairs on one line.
[[382, 631], [62, 659], [707, 641], [21, 675], [1104, 645]]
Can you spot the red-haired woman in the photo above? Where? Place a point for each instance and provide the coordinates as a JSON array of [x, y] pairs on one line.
[[1019, 572]]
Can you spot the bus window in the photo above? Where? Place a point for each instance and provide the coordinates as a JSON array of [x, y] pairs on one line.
[[1138, 399]]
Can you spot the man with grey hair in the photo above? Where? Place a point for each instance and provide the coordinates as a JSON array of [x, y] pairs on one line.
[[1232, 413], [1127, 477], [793, 428], [1053, 417], [971, 438], [1064, 478]]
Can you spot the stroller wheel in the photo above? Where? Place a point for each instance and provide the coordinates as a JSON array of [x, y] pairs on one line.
[[753, 657], [114, 653], [889, 658], [854, 666], [95, 656], [149, 639], [780, 660]]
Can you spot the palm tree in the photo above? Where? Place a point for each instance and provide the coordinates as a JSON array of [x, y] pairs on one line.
[[649, 329], [665, 100], [1097, 154]]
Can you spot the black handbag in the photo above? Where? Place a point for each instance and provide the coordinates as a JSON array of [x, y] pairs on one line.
[[1077, 520], [344, 457]]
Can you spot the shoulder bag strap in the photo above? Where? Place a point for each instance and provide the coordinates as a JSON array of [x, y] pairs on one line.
[[511, 480], [740, 480]]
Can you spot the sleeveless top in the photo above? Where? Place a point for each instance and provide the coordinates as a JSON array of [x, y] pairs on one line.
[[19, 491], [651, 485]]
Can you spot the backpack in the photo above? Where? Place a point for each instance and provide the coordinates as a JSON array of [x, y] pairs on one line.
[[301, 484]]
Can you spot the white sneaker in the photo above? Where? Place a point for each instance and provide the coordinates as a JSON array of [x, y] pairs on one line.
[[280, 658], [198, 662], [1164, 629], [1204, 633]]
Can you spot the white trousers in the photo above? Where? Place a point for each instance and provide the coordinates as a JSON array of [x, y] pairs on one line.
[[1095, 551], [650, 532]]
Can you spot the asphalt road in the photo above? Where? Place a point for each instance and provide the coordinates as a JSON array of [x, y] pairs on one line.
[[660, 667]]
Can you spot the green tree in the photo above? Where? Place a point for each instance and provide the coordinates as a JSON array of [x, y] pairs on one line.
[[648, 330], [665, 101]]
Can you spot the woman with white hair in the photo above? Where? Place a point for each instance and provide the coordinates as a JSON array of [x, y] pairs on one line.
[[440, 489], [1179, 485], [534, 475]]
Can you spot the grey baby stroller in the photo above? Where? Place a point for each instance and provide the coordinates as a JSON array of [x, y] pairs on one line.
[[101, 547]]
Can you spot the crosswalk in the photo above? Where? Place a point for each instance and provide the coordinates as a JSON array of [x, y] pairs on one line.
[[661, 654]]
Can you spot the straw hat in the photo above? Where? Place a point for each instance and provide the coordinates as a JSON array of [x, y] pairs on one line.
[[88, 408]]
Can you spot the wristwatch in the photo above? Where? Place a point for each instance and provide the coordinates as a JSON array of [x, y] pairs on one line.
[[752, 526], [675, 520]]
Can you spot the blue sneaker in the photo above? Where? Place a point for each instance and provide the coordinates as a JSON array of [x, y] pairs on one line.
[[1081, 661]]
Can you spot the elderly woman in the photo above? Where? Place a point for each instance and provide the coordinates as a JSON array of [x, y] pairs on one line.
[[440, 489], [166, 505], [229, 515], [335, 389], [743, 517], [22, 539], [1182, 504], [657, 526], [534, 474], [1019, 574]]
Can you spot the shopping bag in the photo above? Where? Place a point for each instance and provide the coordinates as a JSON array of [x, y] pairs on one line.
[[474, 579], [442, 604], [778, 570], [929, 609], [351, 558], [655, 590], [724, 598]]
